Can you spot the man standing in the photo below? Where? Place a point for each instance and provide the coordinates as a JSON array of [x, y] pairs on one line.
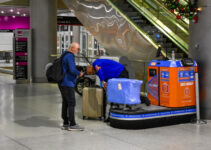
[[67, 89]]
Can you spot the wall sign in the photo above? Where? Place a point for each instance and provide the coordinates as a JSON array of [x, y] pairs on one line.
[[21, 55], [63, 20]]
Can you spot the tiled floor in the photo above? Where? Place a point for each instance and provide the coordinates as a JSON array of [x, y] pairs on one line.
[[30, 119]]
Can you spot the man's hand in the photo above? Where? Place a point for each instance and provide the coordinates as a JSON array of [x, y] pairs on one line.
[[104, 85], [97, 68], [81, 74]]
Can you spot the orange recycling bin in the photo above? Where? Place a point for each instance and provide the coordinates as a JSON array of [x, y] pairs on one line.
[[171, 84]]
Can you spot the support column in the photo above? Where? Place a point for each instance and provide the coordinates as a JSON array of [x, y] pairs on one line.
[[200, 50], [43, 19], [76, 34]]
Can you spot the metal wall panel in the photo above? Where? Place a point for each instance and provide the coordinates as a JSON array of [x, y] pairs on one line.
[[116, 35]]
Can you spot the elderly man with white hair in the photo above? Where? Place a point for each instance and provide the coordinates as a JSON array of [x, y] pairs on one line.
[[67, 88]]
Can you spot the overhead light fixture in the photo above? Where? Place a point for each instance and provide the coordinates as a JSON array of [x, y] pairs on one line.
[[18, 13], [13, 16], [24, 15], [11, 10], [2, 12], [200, 9]]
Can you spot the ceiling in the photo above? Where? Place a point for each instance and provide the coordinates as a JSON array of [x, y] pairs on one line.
[[14, 11], [60, 3], [21, 8]]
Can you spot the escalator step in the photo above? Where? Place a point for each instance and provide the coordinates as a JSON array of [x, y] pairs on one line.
[[166, 45], [154, 28], [138, 18], [120, 3], [139, 21], [127, 9], [162, 41], [135, 17], [156, 38], [169, 50], [149, 27], [124, 6], [158, 35], [130, 14], [142, 25], [152, 31]]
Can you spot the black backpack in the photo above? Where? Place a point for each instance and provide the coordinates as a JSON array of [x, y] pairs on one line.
[[54, 72]]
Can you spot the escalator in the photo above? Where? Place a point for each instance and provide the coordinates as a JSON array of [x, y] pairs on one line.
[[184, 21], [125, 28], [151, 18]]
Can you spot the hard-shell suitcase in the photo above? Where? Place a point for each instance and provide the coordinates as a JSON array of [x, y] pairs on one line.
[[92, 102]]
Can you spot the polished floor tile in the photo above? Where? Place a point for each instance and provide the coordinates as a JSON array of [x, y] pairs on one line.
[[30, 120]]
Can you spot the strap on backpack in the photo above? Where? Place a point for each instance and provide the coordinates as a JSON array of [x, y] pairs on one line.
[[62, 56]]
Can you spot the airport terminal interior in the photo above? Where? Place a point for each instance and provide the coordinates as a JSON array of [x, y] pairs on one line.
[[162, 104]]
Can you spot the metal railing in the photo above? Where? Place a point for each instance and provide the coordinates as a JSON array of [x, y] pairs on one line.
[[162, 19], [183, 21]]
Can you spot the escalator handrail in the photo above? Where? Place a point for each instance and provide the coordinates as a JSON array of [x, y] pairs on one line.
[[184, 22], [178, 41]]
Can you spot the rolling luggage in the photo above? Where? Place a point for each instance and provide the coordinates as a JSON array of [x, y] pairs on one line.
[[92, 102]]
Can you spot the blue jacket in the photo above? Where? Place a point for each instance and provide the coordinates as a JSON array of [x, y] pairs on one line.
[[109, 68], [69, 67]]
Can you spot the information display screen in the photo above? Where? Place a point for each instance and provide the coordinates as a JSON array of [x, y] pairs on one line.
[[21, 62]]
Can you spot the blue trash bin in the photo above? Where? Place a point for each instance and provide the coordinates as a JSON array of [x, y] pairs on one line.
[[124, 91]]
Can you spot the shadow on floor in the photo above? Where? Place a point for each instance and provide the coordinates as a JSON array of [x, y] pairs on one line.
[[38, 121]]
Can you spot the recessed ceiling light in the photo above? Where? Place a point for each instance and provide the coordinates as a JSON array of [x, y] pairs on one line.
[[18, 12], [13, 16], [11, 10], [2, 12], [200, 9]]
